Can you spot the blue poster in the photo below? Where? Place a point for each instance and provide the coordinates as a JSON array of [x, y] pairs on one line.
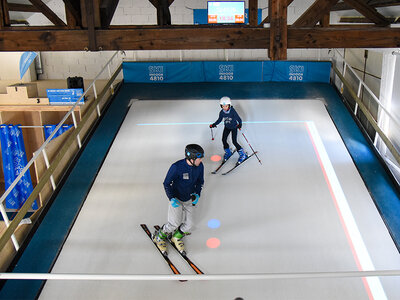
[[227, 71], [233, 71], [163, 72], [297, 71], [25, 61]]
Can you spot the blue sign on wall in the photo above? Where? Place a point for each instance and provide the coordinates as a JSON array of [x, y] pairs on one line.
[[227, 71], [232, 71], [163, 72]]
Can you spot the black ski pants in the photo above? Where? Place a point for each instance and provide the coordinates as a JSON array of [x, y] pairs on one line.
[[234, 138]]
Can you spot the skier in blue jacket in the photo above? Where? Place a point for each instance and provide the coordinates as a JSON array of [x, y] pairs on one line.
[[183, 184], [232, 123]]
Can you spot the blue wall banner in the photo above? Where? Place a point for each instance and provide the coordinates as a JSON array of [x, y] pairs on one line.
[[163, 72], [233, 71], [227, 71], [297, 71]]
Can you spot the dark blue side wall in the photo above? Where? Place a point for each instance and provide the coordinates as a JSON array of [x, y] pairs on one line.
[[48, 240]]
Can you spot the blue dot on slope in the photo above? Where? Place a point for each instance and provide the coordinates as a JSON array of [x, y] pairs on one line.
[[214, 223]]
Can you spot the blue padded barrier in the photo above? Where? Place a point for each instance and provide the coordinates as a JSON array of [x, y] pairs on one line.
[[226, 71]]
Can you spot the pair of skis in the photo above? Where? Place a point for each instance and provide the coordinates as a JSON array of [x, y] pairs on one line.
[[236, 165], [165, 256]]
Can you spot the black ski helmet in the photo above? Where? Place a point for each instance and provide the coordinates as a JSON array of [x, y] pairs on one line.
[[193, 151]]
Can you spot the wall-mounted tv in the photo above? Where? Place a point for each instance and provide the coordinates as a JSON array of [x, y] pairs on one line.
[[225, 12]]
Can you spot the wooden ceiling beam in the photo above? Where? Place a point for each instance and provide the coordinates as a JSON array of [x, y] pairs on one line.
[[325, 20], [5, 15], [368, 11], [48, 13], [266, 19], [155, 2], [107, 10], [344, 37], [1, 16], [163, 13], [197, 38], [253, 12], [277, 11], [363, 20], [313, 14], [22, 7], [374, 3], [73, 13], [95, 13], [90, 22]]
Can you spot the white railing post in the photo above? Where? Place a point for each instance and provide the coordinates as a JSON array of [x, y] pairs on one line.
[[42, 149], [109, 75], [78, 138], [344, 75], [358, 95], [7, 223], [46, 161]]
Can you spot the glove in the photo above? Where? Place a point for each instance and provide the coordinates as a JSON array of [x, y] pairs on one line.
[[213, 125], [239, 126], [175, 202], [195, 198]]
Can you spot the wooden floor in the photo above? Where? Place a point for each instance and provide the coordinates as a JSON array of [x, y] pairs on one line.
[[305, 209]]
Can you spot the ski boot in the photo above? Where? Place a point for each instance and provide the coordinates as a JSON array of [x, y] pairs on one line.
[[177, 240], [228, 153], [242, 156], [159, 237]]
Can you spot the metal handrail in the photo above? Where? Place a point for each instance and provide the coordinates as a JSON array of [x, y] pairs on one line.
[[369, 117], [48, 174], [197, 277], [361, 82]]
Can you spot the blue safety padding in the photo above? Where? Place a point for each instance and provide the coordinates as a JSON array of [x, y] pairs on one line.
[[226, 71], [297, 71], [163, 72], [233, 71]]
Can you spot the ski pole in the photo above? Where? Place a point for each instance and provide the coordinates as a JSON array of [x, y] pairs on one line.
[[250, 146], [212, 134]]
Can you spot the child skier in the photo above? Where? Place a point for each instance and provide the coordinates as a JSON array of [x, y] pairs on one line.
[[232, 123], [183, 185]]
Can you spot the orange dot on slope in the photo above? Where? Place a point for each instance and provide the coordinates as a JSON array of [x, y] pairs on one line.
[[213, 243], [215, 158]]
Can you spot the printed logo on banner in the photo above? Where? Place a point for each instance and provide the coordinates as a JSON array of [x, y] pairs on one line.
[[225, 72], [296, 72], [156, 73]]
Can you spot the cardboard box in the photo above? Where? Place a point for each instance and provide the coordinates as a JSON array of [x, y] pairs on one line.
[[22, 91]]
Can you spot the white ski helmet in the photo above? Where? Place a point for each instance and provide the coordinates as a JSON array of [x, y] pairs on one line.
[[225, 101]]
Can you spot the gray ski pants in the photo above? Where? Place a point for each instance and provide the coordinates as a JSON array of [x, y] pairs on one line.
[[183, 214]]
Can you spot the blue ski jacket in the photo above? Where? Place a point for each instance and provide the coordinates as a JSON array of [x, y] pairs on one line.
[[183, 180], [230, 117]]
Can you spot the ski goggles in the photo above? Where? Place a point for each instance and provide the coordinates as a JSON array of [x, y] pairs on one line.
[[199, 155], [195, 155]]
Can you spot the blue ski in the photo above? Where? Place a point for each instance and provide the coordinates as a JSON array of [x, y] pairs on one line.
[[237, 165], [223, 162]]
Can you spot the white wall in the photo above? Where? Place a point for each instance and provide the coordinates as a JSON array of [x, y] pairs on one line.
[[9, 62], [60, 65]]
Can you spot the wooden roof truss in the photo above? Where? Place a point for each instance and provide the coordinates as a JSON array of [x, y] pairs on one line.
[[87, 27]]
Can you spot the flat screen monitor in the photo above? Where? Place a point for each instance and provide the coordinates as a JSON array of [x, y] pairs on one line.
[[225, 12]]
